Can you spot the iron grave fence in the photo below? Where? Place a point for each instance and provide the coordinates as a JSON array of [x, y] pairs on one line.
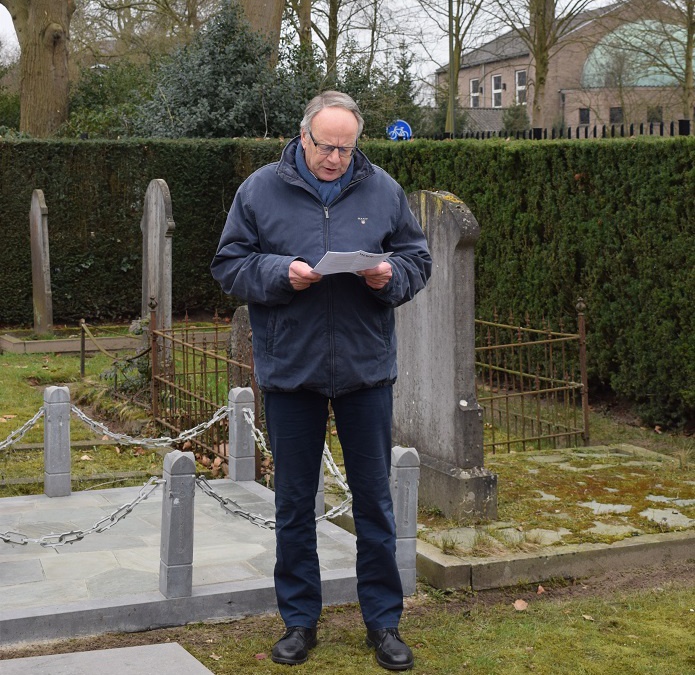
[[532, 385]]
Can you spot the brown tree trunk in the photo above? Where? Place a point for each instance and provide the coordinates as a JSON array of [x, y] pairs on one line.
[[43, 29], [265, 17], [304, 15]]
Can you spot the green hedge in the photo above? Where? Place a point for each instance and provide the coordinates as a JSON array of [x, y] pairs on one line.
[[608, 220]]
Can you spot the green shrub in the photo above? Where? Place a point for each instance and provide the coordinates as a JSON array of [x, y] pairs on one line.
[[608, 220]]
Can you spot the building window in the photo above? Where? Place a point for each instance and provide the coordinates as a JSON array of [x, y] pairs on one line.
[[616, 116], [496, 91], [655, 114], [475, 93], [584, 116], [520, 78]]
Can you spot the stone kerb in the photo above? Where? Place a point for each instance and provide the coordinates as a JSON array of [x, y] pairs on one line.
[[435, 404], [56, 442], [40, 264], [157, 226]]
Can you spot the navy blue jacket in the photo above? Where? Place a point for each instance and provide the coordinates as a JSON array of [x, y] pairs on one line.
[[338, 335]]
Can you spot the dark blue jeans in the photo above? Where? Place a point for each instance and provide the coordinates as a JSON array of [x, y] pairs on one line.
[[296, 426]]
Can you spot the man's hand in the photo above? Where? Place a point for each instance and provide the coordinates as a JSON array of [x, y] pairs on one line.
[[302, 276], [377, 277]]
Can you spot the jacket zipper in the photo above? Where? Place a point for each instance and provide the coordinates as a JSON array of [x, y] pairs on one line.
[[331, 327]]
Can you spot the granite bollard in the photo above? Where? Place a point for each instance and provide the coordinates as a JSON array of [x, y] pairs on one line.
[[176, 548], [56, 442], [242, 449], [405, 477]]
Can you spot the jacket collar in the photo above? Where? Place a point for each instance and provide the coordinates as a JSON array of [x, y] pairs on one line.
[[287, 166]]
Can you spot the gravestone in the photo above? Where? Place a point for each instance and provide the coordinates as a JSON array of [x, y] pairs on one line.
[[239, 347], [157, 227], [435, 404], [40, 264]]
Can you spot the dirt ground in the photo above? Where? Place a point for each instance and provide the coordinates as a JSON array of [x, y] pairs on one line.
[[678, 573]]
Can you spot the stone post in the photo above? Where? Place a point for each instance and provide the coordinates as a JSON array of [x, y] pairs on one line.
[[56, 442], [176, 549], [242, 449], [157, 227], [40, 265], [320, 507], [435, 404], [405, 476]]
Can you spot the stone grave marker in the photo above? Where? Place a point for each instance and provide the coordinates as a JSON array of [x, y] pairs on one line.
[[157, 227], [435, 405], [40, 264]]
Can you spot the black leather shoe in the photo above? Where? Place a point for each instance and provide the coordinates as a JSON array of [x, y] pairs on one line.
[[391, 652], [293, 647]]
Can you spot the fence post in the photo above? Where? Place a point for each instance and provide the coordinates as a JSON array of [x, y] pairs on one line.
[[176, 550], [405, 477], [320, 503], [56, 442], [242, 449], [581, 320]]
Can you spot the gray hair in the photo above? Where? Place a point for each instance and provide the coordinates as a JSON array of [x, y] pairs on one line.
[[330, 99]]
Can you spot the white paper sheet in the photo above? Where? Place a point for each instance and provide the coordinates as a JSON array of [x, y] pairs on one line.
[[351, 261]]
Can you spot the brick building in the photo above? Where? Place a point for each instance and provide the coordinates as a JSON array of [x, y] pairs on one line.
[[602, 71]]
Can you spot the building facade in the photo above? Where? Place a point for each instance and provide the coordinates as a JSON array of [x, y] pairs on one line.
[[602, 71]]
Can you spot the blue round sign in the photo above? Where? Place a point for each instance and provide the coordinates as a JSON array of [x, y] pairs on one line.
[[399, 131]]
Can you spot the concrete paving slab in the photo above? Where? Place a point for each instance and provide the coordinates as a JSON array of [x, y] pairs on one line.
[[110, 581], [166, 658]]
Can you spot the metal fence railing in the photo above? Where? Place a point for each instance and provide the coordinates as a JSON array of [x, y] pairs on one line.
[[532, 385], [191, 377]]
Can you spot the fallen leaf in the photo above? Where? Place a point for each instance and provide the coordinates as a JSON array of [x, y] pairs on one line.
[[210, 640], [520, 605], [260, 656], [657, 428], [104, 438], [540, 590], [9, 417], [214, 656], [587, 617], [86, 458]]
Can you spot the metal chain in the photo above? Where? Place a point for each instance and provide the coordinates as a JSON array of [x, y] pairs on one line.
[[162, 441], [231, 507], [257, 433], [268, 523], [18, 434], [106, 523]]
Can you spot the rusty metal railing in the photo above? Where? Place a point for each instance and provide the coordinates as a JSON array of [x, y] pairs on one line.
[[532, 385], [191, 377]]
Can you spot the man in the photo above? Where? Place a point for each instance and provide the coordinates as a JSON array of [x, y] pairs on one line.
[[320, 339]]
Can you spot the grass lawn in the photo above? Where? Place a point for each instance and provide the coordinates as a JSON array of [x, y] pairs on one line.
[[631, 623]]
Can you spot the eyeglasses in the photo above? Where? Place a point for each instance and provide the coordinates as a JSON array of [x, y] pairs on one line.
[[324, 149]]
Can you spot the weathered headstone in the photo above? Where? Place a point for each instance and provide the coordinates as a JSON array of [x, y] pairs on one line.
[[435, 405], [157, 227], [40, 264], [239, 346]]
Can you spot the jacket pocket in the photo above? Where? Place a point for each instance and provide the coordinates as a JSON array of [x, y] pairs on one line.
[[386, 328]]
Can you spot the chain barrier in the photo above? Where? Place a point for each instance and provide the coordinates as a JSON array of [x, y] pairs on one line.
[[231, 507], [257, 433], [18, 434], [162, 441], [70, 537], [328, 460]]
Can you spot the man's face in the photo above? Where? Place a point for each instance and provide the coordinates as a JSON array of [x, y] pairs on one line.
[[331, 126]]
